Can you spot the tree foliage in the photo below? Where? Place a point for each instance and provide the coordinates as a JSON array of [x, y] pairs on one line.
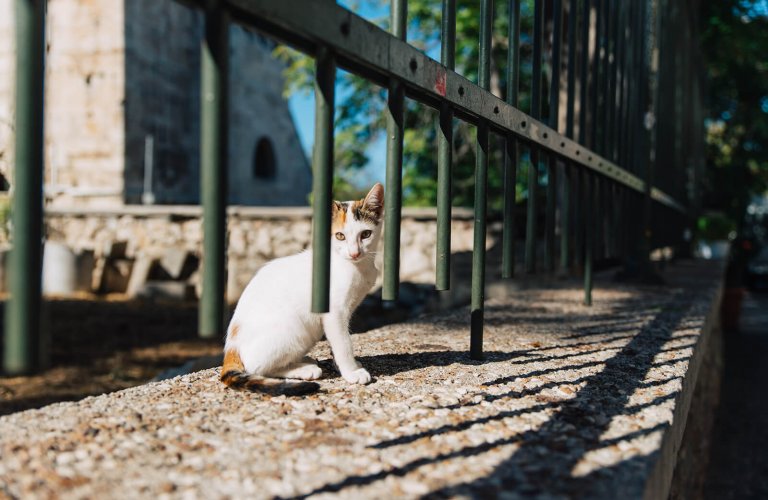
[[360, 112], [735, 49], [734, 44]]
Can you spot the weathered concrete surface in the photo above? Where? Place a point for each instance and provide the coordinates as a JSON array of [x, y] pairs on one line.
[[570, 401]]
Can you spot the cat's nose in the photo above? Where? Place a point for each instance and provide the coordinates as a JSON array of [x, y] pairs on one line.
[[354, 254]]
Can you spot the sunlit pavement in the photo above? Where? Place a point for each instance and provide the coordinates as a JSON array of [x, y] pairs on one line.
[[739, 462]]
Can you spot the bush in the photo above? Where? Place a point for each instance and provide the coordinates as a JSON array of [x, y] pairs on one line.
[[716, 226]]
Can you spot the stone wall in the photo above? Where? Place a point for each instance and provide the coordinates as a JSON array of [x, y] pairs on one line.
[[128, 239]]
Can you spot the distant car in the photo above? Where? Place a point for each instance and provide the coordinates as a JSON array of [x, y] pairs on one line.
[[757, 270]]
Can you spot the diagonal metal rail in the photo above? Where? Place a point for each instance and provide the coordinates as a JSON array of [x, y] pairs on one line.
[[364, 48]]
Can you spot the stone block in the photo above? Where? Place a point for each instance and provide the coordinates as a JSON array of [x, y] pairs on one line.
[[173, 262], [116, 249], [139, 274], [167, 290], [117, 273]]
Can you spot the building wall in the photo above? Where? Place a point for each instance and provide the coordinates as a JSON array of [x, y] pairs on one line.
[[120, 71], [84, 92], [259, 110], [7, 84], [162, 99]]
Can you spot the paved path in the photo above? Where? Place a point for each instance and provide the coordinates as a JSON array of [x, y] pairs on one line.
[[739, 460], [570, 401]]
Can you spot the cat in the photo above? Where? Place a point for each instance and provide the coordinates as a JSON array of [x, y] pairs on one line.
[[272, 328]]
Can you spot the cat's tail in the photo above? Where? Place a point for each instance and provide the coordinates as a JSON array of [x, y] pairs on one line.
[[234, 376]]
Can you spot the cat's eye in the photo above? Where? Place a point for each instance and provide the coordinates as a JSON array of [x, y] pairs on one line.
[[366, 234], [340, 236]]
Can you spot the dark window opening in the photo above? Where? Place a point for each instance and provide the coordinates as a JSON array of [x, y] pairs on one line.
[[4, 184], [264, 164]]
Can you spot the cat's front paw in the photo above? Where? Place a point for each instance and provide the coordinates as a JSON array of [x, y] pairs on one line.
[[308, 372], [359, 376]]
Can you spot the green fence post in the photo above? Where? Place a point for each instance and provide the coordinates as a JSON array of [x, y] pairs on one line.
[[23, 347], [554, 112], [213, 168], [588, 237], [477, 305], [589, 181], [444, 155], [322, 179], [512, 149], [533, 169], [566, 225], [595, 77], [584, 68], [393, 197]]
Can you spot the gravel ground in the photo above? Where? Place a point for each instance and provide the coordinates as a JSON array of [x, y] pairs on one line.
[[570, 401]]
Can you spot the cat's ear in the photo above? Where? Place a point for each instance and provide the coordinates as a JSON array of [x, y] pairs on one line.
[[374, 200]]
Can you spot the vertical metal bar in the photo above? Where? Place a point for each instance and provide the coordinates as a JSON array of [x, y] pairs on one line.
[[570, 108], [645, 148], [481, 187], [22, 352], [566, 226], [585, 73], [589, 219], [633, 114], [554, 112], [583, 137], [478, 248], [599, 196], [598, 236], [322, 178], [594, 97], [512, 149], [607, 38], [444, 155], [626, 59], [616, 127], [533, 174], [213, 168], [650, 102], [578, 218], [588, 238], [394, 195]]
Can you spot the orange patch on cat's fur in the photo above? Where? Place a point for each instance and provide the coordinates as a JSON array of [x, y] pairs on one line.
[[232, 362], [339, 218], [234, 332]]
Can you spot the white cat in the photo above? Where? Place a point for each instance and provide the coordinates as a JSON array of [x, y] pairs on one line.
[[272, 328]]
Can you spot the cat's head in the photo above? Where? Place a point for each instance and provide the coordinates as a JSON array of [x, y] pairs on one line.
[[356, 225]]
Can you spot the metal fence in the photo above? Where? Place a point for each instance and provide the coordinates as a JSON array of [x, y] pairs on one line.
[[621, 175]]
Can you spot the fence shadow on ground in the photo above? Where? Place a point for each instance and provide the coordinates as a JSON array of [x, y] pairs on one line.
[[543, 463]]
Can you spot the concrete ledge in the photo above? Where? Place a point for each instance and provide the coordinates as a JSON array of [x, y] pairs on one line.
[[570, 401]]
